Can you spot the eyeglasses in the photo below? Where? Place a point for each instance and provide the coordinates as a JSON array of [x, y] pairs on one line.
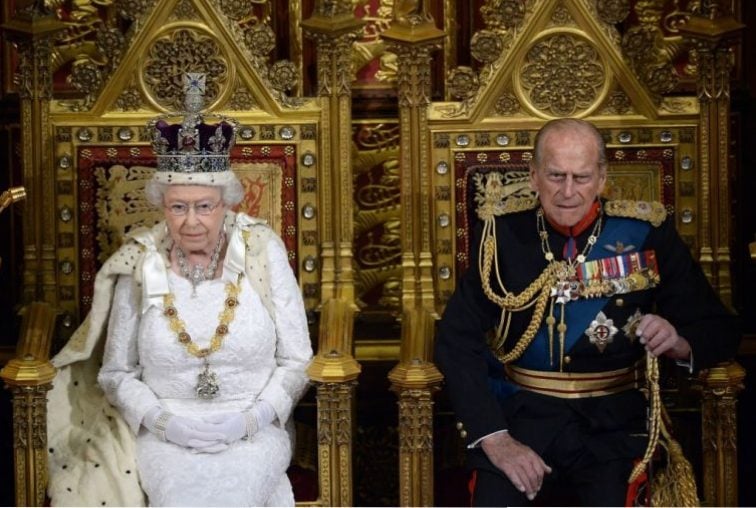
[[200, 208]]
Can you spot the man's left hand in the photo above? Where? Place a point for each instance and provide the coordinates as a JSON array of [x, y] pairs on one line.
[[660, 337]]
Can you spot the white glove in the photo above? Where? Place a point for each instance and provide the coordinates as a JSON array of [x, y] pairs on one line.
[[183, 431], [242, 425]]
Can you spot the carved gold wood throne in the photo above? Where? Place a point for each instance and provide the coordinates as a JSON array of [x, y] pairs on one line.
[[538, 60], [87, 88]]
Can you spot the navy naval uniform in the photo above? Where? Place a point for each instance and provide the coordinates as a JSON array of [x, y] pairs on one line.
[[590, 442]]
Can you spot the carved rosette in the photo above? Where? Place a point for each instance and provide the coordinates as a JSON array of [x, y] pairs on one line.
[[235, 9], [562, 75], [507, 105], [486, 46], [503, 14], [242, 99], [173, 55], [129, 100], [260, 39], [463, 83], [133, 9], [613, 11]]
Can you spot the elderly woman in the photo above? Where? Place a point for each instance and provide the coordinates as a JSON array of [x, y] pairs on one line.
[[206, 348]]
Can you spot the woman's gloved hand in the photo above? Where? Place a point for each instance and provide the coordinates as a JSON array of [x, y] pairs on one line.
[[184, 431], [242, 425]]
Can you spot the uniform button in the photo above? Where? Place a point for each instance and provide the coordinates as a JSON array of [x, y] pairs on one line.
[[567, 359], [460, 426], [463, 434], [619, 302]]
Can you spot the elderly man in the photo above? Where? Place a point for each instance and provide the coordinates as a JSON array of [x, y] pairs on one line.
[[542, 345]]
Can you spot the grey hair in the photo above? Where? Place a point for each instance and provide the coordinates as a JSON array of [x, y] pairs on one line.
[[232, 191], [568, 124]]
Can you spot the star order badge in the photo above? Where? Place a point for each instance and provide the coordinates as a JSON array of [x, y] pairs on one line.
[[601, 332], [632, 325]]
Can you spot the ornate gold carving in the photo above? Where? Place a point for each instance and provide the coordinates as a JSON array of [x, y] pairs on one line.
[[33, 75], [507, 105], [242, 99], [332, 8], [184, 10], [562, 74], [133, 9], [463, 83], [415, 421], [176, 53], [486, 46], [618, 103], [129, 100], [260, 39], [613, 11], [650, 55], [503, 14], [414, 79], [561, 16], [720, 386]]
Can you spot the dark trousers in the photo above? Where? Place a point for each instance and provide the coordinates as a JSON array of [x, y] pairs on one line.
[[600, 484], [582, 475]]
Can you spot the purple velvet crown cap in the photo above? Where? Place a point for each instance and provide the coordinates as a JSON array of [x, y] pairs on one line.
[[171, 133]]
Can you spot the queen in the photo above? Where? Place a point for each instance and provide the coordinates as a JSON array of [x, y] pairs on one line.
[[205, 344]]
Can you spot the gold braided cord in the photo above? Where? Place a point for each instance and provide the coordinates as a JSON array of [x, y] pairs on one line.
[[530, 332], [510, 301], [537, 293], [673, 484], [652, 378]]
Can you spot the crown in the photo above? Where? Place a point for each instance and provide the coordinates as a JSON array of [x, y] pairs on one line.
[[194, 146]]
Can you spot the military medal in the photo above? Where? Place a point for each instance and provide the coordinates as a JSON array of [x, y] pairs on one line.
[[601, 332]]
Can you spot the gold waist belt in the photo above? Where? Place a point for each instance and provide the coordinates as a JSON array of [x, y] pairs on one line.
[[574, 385]]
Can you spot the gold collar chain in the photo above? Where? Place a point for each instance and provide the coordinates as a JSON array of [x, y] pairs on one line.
[[563, 289], [546, 248], [207, 386]]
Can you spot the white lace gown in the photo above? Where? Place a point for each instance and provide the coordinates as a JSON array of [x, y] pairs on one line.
[[145, 365]]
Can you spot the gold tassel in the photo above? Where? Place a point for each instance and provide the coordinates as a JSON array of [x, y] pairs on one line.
[[673, 484]]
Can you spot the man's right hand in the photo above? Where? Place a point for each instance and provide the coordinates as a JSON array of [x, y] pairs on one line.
[[524, 467]]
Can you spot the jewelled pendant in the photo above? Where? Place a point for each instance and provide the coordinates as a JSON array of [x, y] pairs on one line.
[[207, 384]]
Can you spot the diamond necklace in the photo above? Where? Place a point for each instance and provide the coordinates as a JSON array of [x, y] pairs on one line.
[[198, 274], [565, 288]]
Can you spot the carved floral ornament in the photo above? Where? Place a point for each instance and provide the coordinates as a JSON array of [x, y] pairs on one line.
[[561, 75], [181, 51]]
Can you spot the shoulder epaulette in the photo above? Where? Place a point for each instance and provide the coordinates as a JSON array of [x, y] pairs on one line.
[[511, 204], [651, 211]]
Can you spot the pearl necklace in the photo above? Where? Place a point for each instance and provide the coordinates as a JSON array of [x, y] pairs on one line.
[[198, 274]]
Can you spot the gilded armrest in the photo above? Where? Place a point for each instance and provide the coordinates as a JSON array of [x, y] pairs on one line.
[[29, 376], [720, 386]]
